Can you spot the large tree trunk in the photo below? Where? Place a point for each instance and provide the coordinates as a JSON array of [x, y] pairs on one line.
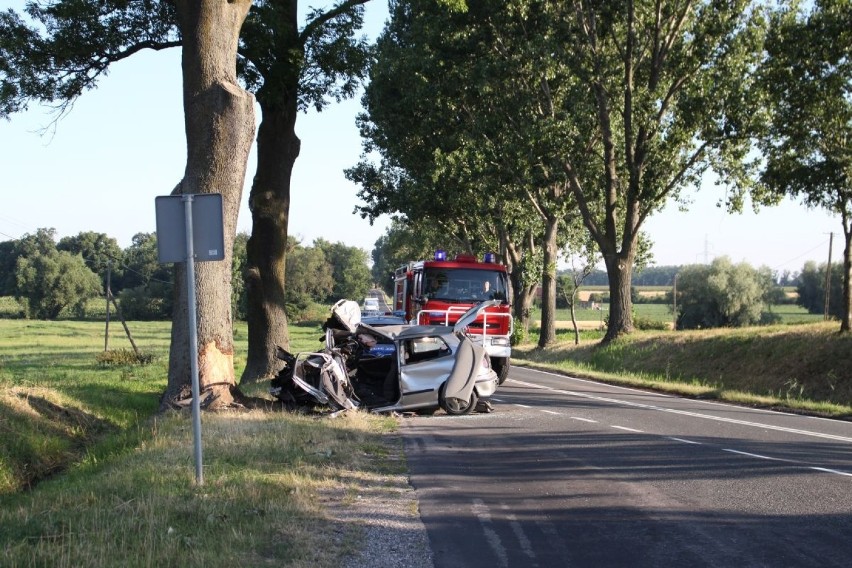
[[846, 319], [269, 201], [547, 333], [619, 270], [522, 291], [573, 306], [219, 122]]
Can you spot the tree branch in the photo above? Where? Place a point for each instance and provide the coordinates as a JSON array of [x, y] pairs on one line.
[[316, 23]]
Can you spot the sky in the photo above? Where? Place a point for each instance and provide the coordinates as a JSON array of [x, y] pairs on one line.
[[101, 166]]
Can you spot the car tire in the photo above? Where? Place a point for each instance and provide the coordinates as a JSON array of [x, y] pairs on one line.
[[454, 407], [501, 366]]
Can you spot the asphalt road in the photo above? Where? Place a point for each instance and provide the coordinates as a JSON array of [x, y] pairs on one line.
[[568, 472], [380, 296]]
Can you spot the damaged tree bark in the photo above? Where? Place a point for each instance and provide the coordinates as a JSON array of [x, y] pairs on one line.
[[220, 125]]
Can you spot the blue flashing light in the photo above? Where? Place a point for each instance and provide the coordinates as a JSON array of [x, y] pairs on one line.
[[440, 254], [490, 258]]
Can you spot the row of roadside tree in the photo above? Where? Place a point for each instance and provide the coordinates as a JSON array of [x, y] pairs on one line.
[[505, 125], [528, 127]]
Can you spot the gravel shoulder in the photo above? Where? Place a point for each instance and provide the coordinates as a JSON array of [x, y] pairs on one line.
[[385, 506]]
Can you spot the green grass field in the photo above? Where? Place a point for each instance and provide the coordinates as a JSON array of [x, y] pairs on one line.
[[91, 475]]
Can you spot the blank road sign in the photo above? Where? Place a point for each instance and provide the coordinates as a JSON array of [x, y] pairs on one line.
[[208, 238]]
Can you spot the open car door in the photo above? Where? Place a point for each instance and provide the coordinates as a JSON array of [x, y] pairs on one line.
[[460, 383]]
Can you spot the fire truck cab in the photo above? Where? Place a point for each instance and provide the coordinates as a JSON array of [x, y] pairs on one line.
[[438, 291]]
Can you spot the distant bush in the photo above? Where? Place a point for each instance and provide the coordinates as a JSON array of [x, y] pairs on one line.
[[769, 318], [10, 308], [722, 294], [599, 297], [150, 302], [123, 357], [307, 311], [643, 323], [662, 297]]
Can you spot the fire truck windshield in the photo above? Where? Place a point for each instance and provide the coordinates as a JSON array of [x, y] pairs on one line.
[[464, 284]]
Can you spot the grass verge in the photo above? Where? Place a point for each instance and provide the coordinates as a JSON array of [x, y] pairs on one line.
[[267, 481], [126, 494], [802, 368]]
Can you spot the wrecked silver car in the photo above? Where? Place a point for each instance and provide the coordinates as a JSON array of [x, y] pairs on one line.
[[390, 368]]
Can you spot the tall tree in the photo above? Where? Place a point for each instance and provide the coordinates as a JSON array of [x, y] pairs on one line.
[[100, 252], [655, 94], [808, 147], [291, 70], [629, 101], [446, 161], [49, 283], [219, 122], [350, 273]]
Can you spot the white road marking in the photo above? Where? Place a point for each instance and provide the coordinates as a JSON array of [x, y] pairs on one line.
[[491, 536], [589, 420], [684, 441], [552, 412], [759, 456], [836, 471], [522, 405], [523, 540], [687, 412], [626, 429]]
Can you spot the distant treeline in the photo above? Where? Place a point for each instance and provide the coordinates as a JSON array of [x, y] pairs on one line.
[[664, 276]]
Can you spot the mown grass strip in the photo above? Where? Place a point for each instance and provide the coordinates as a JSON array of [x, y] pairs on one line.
[[806, 368], [268, 479]]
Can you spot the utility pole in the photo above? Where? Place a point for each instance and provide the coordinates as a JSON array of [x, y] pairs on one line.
[[108, 284], [674, 302], [825, 315]]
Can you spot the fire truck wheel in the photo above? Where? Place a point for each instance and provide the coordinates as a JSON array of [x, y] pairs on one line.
[[456, 407], [501, 367]]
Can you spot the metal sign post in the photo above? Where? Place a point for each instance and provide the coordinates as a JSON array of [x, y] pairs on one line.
[[177, 240], [193, 339]]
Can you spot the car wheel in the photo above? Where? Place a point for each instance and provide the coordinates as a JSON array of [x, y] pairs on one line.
[[456, 407], [501, 366]]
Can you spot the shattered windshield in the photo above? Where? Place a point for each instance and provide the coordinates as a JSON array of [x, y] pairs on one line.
[[464, 284]]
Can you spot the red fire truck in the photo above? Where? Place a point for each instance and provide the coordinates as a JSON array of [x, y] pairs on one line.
[[437, 292]]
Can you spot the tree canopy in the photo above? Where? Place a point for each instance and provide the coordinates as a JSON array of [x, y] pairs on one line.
[[605, 111], [48, 281], [807, 81]]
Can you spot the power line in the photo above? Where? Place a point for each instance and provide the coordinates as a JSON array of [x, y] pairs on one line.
[[819, 246]]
